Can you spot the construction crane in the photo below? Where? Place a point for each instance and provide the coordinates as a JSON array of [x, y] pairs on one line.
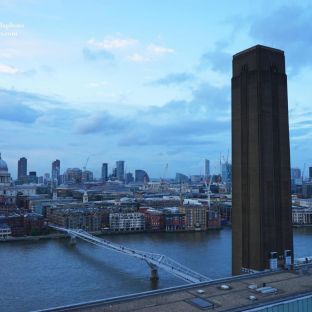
[[86, 164], [303, 170], [165, 171], [208, 186], [162, 179]]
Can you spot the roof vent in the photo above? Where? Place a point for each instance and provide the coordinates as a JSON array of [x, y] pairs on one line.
[[225, 287], [200, 291], [266, 290], [252, 298], [201, 303]]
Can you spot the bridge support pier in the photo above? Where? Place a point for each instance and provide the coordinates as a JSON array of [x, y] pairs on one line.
[[154, 273], [73, 240]]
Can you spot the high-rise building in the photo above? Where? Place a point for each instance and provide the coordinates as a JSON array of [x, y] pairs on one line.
[[104, 172], [87, 176], [261, 217], [114, 173], [73, 176], [22, 168], [310, 173], [181, 178], [295, 173], [120, 170], [46, 178], [140, 176], [129, 178], [32, 177], [226, 172], [56, 168], [207, 168]]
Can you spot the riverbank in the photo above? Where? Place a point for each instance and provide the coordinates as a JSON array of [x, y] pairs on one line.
[[113, 233], [33, 238], [98, 233]]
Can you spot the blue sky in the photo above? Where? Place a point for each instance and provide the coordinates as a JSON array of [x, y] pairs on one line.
[[140, 80]]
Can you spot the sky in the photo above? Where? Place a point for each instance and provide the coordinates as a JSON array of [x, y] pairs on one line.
[[143, 81]]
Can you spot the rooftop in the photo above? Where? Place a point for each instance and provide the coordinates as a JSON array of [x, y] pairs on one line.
[[258, 46], [241, 294]]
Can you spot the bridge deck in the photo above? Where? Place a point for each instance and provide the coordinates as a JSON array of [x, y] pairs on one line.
[[154, 260]]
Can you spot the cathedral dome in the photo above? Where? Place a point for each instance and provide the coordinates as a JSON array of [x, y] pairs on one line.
[[3, 165]]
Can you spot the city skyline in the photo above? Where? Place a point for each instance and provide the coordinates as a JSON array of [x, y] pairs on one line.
[[98, 84], [222, 169], [110, 169]]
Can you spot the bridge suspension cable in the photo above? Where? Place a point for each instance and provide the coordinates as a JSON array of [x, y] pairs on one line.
[[153, 260]]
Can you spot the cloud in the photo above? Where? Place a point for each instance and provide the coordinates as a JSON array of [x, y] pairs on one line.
[[174, 79], [125, 48], [288, 28], [187, 128], [158, 50], [300, 125], [138, 58], [103, 50], [217, 59], [201, 121], [150, 53], [13, 110], [98, 84], [176, 134], [27, 108], [6, 69], [94, 55], [101, 122], [208, 102], [113, 43], [11, 70]]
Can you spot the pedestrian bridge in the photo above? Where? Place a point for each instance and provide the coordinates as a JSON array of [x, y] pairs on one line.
[[154, 260]]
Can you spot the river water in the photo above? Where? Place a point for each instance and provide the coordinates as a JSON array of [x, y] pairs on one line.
[[49, 273]]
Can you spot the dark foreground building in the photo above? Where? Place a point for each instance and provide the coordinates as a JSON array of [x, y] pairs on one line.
[[261, 160]]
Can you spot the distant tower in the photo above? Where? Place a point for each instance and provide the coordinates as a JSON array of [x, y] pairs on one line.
[[310, 173], [54, 196], [226, 172], [85, 198], [295, 173], [104, 172], [56, 168], [129, 177], [207, 168], [32, 177], [22, 168], [120, 170], [140, 176], [261, 217]]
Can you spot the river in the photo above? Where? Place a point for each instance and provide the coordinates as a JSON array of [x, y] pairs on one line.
[[49, 273]]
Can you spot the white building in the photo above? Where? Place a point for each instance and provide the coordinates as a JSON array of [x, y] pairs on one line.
[[302, 216], [5, 231], [127, 222]]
